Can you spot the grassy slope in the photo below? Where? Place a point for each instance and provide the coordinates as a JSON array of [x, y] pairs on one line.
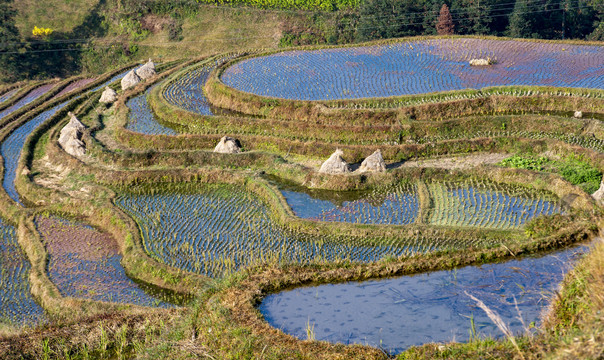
[[59, 15], [219, 29]]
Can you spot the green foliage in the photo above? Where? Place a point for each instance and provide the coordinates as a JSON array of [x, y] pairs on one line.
[[573, 169], [324, 5], [520, 162]]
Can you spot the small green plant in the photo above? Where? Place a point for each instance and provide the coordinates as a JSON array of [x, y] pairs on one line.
[[310, 330]]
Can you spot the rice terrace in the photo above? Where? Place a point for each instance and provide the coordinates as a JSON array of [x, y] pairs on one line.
[[180, 191]]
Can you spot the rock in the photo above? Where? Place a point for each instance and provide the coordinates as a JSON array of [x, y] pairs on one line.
[[374, 162], [599, 194], [71, 135], [130, 80], [146, 71], [109, 96], [481, 62], [578, 114], [228, 145], [335, 164]]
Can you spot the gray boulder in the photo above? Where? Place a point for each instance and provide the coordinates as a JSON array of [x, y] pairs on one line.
[[335, 164], [374, 162]]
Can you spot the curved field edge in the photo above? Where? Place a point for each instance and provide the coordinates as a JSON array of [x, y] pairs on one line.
[[76, 207], [41, 287], [224, 96]]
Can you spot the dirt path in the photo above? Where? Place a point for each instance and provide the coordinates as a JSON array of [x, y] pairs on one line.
[[456, 162]]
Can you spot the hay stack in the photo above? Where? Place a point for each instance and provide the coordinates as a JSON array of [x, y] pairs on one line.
[[71, 135], [599, 194], [481, 62], [335, 164], [228, 145], [109, 96], [374, 162], [130, 80], [146, 71]]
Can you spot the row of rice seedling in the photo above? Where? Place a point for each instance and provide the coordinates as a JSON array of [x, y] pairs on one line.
[[415, 68], [11, 147], [222, 228], [85, 263], [7, 95], [74, 86], [17, 306], [186, 92], [31, 96], [398, 205], [480, 94], [141, 119], [487, 205], [478, 204]]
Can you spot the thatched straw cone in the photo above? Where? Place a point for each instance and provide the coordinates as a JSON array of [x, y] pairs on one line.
[[146, 71], [374, 162], [228, 145], [335, 164], [130, 80], [109, 96]]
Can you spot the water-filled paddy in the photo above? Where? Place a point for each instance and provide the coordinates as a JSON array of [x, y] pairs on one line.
[[31, 96], [142, 120], [187, 91], [416, 67], [11, 147], [222, 228], [467, 204], [85, 263], [17, 305], [413, 310], [7, 95]]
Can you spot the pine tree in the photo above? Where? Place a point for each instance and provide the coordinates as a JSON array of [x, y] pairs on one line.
[[445, 26], [521, 21]]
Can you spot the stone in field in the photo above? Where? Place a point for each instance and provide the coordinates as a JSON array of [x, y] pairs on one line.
[[578, 114], [109, 96], [146, 71], [228, 145], [374, 162], [335, 164], [130, 80]]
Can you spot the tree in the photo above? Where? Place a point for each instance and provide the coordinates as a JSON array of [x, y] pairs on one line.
[[445, 26], [9, 36], [521, 21], [384, 19]]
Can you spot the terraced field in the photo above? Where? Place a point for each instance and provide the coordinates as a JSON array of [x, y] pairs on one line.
[[85, 263], [451, 204], [171, 215], [17, 306], [416, 67], [29, 97], [223, 229]]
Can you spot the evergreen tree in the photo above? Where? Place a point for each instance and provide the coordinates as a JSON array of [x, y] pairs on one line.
[[383, 19], [9, 35], [445, 26], [521, 21]]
